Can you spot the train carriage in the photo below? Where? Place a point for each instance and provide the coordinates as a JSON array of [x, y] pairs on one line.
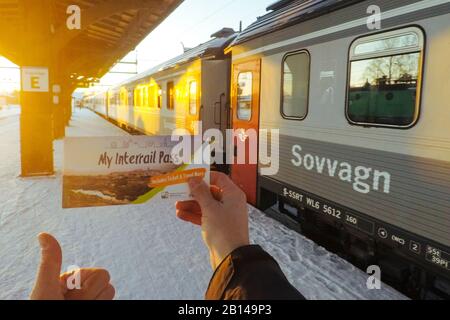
[[178, 93], [363, 118], [97, 102], [362, 114]]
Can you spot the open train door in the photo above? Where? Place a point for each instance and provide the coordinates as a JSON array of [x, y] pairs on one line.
[[245, 116]]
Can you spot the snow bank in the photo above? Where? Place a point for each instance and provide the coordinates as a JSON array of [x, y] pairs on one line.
[[9, 110], [149, 253]]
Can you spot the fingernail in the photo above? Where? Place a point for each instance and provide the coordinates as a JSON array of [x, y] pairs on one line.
[[193, 182], [43, 242]]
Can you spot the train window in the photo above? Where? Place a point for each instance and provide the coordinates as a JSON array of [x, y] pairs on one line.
[[144, 98], [131, 98], [137, 97], [193, 97], [385, 79], [159, 98], [170, 96], [295, 91], [155, 96], [245, 96], [152, 97], [123, 97]]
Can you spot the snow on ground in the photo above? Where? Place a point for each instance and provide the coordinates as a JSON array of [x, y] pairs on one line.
[[9, 110], [149, 253]]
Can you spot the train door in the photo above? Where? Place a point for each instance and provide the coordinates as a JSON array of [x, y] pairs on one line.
[[215, 105], [215, 93], [245, 116], [193, 104]]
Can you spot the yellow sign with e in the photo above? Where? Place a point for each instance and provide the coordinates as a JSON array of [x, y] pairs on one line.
[[35, 79]]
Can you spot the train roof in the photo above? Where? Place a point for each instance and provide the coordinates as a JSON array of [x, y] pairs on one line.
[[211, 49], [285, 13]]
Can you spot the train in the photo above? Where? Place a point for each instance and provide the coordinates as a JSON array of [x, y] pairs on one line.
[[175, 94], [362, 115]]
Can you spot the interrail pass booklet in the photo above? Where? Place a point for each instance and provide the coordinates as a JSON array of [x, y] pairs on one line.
[[124, 171]]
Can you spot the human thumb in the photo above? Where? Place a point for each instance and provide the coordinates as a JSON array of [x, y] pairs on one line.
[[47, 286], [201, 192]]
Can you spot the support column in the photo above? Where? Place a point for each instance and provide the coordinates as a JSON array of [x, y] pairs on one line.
[[59, 112], [36, 122], [62, 109], [69, 106], [66, 103], [36, 132]]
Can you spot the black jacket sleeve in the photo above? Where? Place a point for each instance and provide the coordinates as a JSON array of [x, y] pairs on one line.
[[250, 273]]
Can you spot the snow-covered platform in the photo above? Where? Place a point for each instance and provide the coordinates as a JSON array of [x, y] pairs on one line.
[[150, 254], [9, 110]]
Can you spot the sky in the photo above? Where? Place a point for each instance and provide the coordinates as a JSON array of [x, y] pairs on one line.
[[9, 76], [192, 23]]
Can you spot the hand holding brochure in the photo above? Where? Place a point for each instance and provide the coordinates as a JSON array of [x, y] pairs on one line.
[[124, 171]]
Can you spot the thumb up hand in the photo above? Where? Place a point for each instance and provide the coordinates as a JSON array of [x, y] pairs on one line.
[[51, 285]]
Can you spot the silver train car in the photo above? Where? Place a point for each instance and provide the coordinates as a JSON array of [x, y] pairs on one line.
[[364, 137], [362, 107]]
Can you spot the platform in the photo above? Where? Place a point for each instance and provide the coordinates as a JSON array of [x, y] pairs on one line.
[[149, 253]]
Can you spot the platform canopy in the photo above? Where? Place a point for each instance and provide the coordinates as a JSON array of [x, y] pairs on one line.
[[109, 30], [61, 45]]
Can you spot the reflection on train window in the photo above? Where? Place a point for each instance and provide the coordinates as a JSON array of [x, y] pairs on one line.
[[391, 43], [137, 97], [170, 96], [385, 77], [145, 101], [153, 96], [245, 96], [131, 98], [193, 97], [122, 98], [159, 98], [142, 97], [295, 85]]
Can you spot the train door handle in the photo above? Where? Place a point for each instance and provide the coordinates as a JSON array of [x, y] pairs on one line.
[[217, 107]]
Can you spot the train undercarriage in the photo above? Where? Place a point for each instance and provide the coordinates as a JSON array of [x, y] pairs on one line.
[[409, 276]]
